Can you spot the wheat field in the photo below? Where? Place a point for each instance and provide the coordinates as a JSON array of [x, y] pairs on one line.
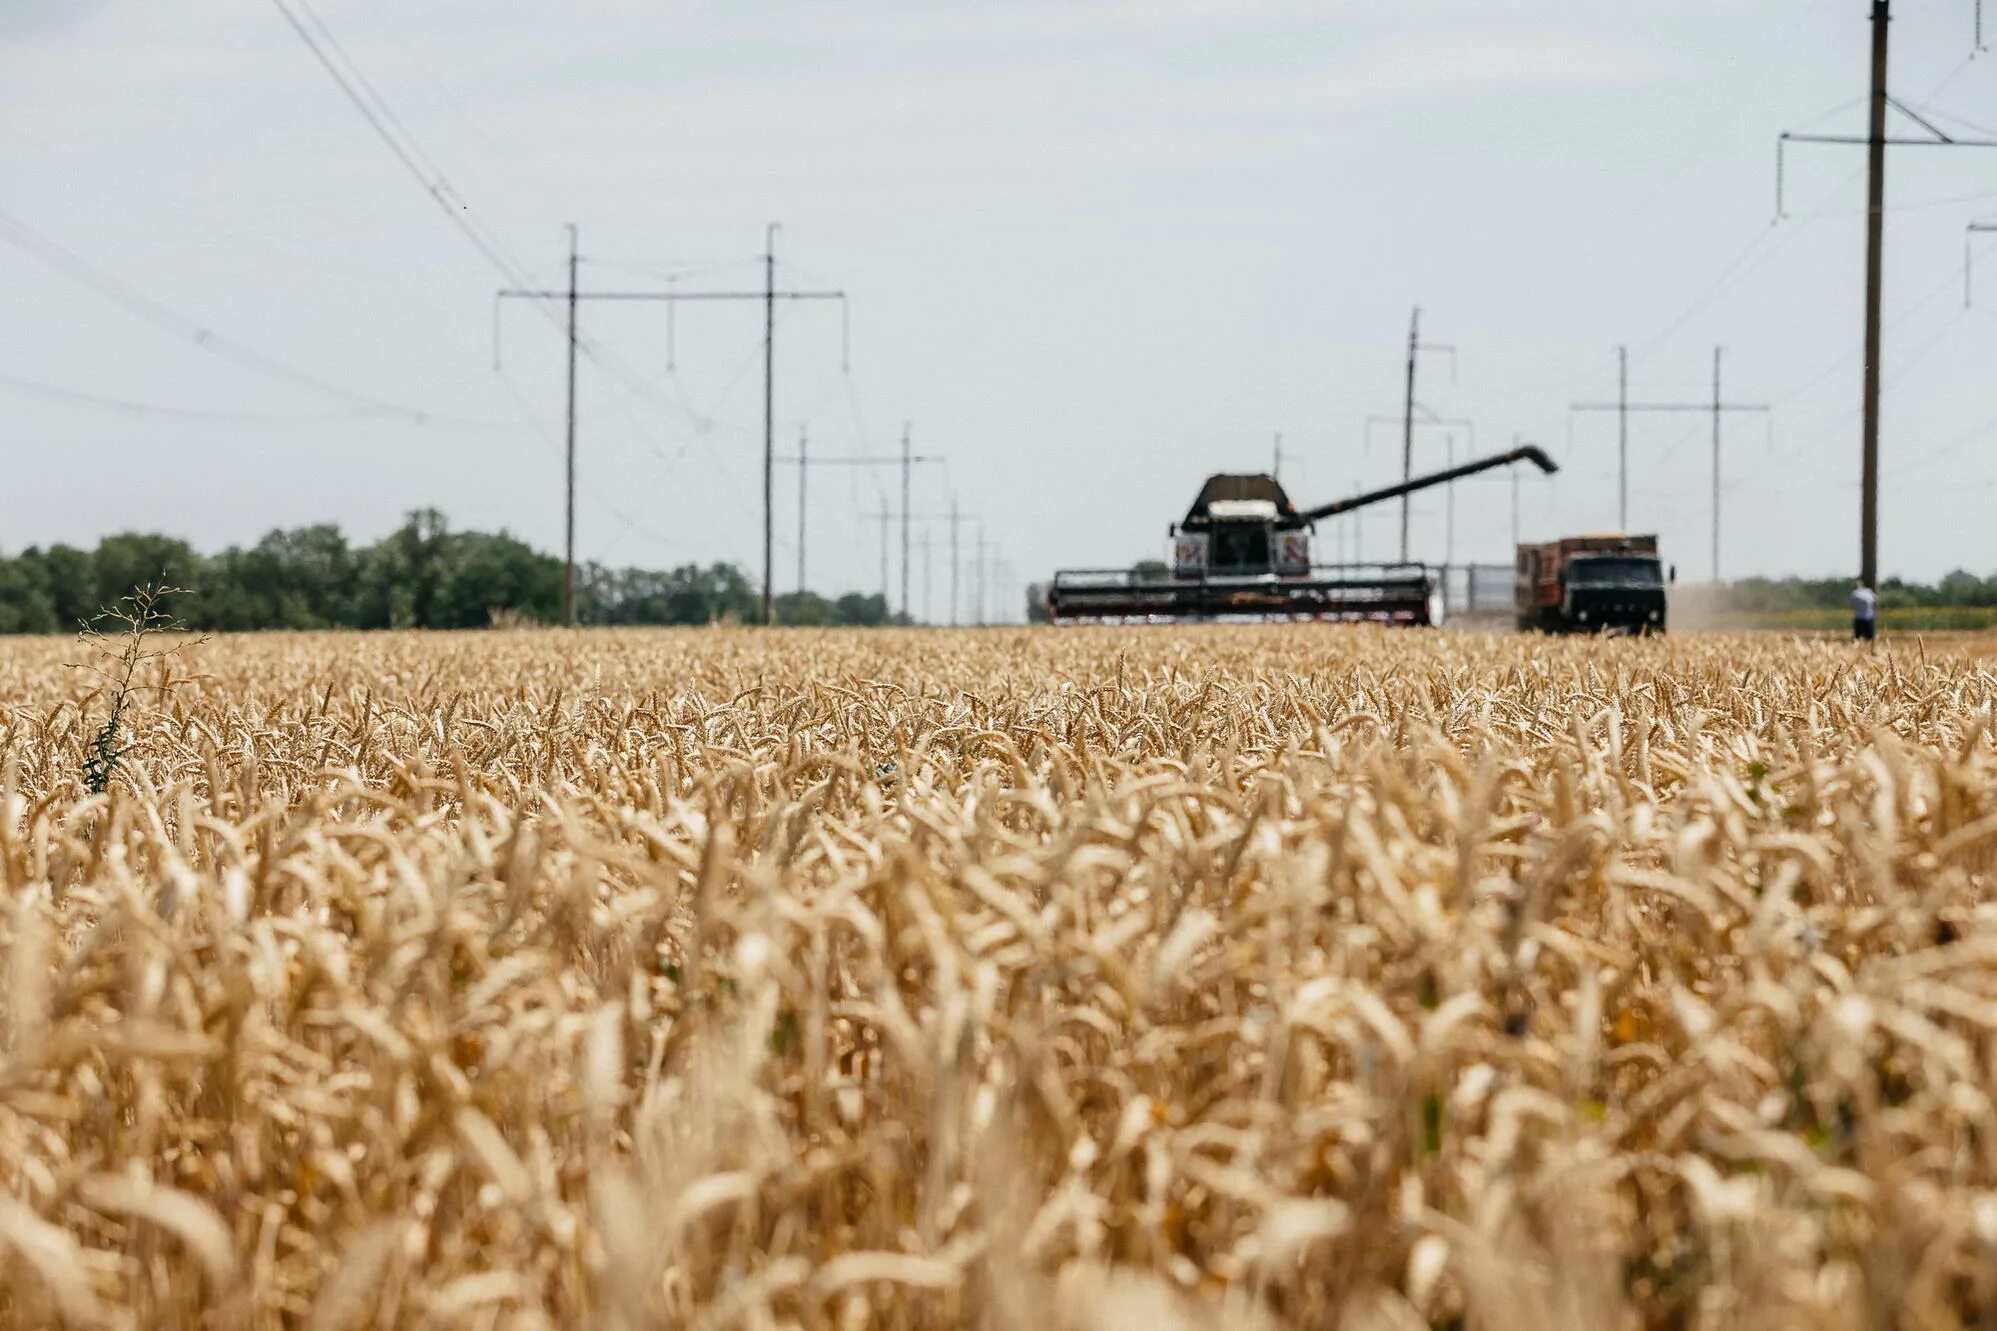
[[1222, 977]]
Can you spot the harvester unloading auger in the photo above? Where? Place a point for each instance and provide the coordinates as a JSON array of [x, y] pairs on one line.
[[1244, 552]]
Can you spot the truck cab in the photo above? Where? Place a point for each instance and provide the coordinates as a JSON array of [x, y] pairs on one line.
[[1614, 591]]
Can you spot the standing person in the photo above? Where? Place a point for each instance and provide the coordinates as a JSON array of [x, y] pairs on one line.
[[1864, 612]]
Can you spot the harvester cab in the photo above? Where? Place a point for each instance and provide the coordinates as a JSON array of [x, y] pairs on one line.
[[1243, 552], [1241, 526]]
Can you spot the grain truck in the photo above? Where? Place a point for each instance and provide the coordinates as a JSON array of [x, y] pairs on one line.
[[1606, 583]]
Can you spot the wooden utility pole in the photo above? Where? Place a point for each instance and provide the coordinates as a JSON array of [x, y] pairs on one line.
[[1449, 504], [1515, 501], [1969, 258], [1622, 409], [928, 571], [1875, 240], [907, 465], [881, 516], [1408, 425], [1423, 419], [1358, 517], [980, 570], [803, 454], [1876, 141], [1622, 439], [1415, 347], [1718, 408], [769, 408], [569, 526]]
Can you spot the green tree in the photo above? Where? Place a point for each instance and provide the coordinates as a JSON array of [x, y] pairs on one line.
[[25, 604], [804, 609], [483, 575], [68, 578], [143, 559], [400, 575], [858, 610]]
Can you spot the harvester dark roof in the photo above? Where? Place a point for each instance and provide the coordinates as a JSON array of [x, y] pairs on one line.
[[1233, 488]]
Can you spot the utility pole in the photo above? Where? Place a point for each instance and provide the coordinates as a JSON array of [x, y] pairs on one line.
[[1422, 419], [1876, 142], [1515, 499], [1969, 258], [569, 526], [1408, 425], [1276, 470], [928, 570], [1875, 240], [769, 407], [769, 295], [955, 519], [1415, 347], [803, 453], [1002, 587], [905, 460], [1718, 407], [1622, 439], [882, 517], [978, 578], [1449, 504], [1358, 517], [1622, 409]]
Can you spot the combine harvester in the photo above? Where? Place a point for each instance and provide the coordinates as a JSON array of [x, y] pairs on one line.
[[1243, 554]]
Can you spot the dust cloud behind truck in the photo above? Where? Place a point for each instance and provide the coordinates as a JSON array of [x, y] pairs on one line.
[[1592, 584]]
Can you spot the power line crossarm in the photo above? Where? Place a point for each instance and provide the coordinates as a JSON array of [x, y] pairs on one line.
[[671, 296], [1705, 407]]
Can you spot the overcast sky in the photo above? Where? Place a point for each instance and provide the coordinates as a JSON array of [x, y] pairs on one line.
[[1095, 250]]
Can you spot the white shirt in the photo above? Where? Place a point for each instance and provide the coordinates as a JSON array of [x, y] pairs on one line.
[[1864, 603]]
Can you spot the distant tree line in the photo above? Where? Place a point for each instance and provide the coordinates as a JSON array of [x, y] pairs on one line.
[[422, 575], [1776, 595]]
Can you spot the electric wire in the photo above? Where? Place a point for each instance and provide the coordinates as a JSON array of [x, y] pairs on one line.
[[1721, 117], [389, 128], [444, 94], [420, 166], [133, 407], [168, 319], [556, 447]]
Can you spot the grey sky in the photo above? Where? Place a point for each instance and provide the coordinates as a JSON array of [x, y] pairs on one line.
[[1096, 251]]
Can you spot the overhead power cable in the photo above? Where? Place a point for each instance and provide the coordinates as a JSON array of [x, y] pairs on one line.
[[170, 320], [390, 130], [124, 406], [553, 444], [395, 135]]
